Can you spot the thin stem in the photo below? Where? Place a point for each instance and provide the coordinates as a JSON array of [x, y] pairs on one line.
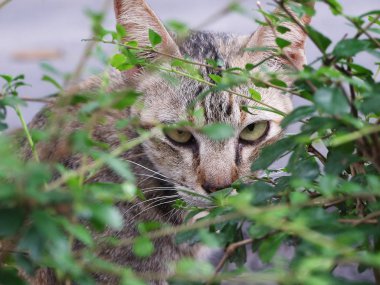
[[318, 154], [270, 108], [354, 135], [216, 68], [183, 228], [366, 28], [367, 218], [27, 134], [364, 31], [302, 27], [32, 100], [227, 253]]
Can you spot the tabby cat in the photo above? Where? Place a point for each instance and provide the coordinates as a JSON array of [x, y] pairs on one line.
[[183, 158]]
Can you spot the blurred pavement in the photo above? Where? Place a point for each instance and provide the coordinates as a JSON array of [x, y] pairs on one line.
[[59, 26]]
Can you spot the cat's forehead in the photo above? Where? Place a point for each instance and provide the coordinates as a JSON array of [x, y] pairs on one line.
[[172, 102], [219, 47]]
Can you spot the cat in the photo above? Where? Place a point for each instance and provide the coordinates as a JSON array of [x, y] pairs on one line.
[[183, 158]]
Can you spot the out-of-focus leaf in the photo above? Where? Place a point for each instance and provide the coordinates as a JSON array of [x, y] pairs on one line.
[[51, 80], [154, 38], [318, 38], [270, 246], [350, 47], [332, 101], [218, 131], [297, 115], [11, 221], [271, 153], [143, 247], [282, 43]]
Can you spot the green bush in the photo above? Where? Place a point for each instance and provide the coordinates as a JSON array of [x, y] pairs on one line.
[[324, 201]]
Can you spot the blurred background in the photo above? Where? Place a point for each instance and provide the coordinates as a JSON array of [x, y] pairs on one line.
[[41, 31]]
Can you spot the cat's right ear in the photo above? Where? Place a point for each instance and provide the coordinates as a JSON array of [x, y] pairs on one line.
[[137, 18], [265, 36]]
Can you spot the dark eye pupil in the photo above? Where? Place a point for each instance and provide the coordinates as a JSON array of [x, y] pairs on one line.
[[180, 132], [251, 127]]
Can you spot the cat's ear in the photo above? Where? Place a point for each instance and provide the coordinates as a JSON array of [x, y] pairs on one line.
[[138, 18], [266, 35]]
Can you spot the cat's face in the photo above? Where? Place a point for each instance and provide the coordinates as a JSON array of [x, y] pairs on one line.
[[190, 159]]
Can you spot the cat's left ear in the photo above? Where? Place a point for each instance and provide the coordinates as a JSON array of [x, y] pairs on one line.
[[137, 18], [265, 36]]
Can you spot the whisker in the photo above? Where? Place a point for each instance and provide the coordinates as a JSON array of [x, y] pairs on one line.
[[146, 168], [157, 178], [158, 189], [146, 201], [142, 181], [174, 214], [160, 204], [182, 189]]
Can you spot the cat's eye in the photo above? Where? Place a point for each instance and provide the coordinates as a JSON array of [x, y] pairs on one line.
[[254, 131], [179, 135]]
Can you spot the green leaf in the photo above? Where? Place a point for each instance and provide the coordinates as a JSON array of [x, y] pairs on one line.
[[370, 105], [121, 167], [218, 131], [216, 78], [11, 221], [271, 153], [335, 7], [154, 38], [125, 99], [298, 198], [146, 227], [104, 215], [190, 237], [306, 169], [332, 101], [7, 78], [255, 94], [269, 247], [49, 79], [278, 82], [297, 114], [187, 267], [121, 32], [51, 69], [79, 232], [350, 47], [283, 29], [249, 66], [130, 278], [118, 60], [143, 247], [339, 158], [319, 39], [179, 28], [10, 276], [282, 43]]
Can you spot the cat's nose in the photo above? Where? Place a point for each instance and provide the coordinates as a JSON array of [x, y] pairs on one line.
[[210, 188]]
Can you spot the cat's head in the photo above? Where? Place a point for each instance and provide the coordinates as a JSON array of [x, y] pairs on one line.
[[188, 156]]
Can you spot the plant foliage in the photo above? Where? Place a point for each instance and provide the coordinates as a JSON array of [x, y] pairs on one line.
[[323, 202]]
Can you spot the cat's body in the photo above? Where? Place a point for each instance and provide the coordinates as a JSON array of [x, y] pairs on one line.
[[201, 164]]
